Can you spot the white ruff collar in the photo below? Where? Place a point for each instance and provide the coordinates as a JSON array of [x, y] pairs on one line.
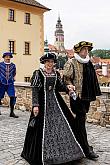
[[82, 60], [7, 63]]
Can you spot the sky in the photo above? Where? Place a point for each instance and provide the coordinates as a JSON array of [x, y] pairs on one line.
[[82, 20]]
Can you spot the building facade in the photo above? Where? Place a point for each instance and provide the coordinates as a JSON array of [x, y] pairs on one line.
[[22, 33]]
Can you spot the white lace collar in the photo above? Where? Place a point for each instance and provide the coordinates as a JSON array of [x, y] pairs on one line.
[[82, 60]]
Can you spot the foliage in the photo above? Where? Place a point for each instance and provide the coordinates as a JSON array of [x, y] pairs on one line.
[[102, 53], [61, 61]]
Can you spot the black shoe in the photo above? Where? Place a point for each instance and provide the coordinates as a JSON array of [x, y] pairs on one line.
[[92, 156], [13, 115], [0, 112]]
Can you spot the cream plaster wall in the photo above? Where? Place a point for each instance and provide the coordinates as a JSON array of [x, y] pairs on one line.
[[20, 32]]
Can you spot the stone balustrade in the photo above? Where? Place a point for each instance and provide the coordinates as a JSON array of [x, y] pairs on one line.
[[99, 112]]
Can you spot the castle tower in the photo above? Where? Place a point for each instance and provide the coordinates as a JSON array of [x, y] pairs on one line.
[[59, 36], [46, 48]]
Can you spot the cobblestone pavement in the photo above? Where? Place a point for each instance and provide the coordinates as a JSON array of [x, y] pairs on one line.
[[12, 133]]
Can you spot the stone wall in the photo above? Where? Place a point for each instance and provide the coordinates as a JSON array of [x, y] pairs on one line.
[[23, 96], [99, 112]]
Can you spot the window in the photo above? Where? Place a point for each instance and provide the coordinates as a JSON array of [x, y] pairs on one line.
[[11, 15], [27, 47], [27, 79], [27, 18], [56, 39], [12, 46]]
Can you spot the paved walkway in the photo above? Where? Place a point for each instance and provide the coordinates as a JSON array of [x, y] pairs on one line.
[[12, 133]]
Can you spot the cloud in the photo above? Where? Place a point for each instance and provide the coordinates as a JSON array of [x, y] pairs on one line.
[[81, 20]]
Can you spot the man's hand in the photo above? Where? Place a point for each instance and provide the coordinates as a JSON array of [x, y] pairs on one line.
[[35, 111], [71, 87]]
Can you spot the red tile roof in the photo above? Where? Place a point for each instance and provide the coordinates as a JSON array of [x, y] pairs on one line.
[[52, 47], [95, 59], [106, 61], [70, 53]]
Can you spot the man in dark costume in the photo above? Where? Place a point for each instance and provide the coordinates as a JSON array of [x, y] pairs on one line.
[[7, 78], [49, 138], [79, 73]]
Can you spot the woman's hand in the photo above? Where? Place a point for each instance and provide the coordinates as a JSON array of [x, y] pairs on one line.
[[35, 111]]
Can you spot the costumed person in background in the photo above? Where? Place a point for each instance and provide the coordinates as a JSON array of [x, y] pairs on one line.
[[7, 78], [49, 138], [80, 74]]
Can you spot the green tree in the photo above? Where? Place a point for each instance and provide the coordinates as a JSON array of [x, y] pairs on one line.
[[61, 61], [101, 53]]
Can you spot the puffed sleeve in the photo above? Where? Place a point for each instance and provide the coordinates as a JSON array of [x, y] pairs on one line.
[[68, 73], [60, 85], [36, 85]]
